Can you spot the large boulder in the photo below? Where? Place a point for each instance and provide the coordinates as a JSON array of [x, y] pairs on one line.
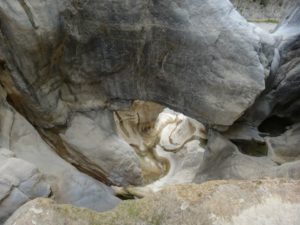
[[199, 57], [257, 202]]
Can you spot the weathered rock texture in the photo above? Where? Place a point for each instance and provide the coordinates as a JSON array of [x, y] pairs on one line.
[[169, 144], [263, 10], [63, 63], [286, 147], [67, 66], [20, 182], [70, 55], [213, 203], [223, 160], [68, 185], [281, 97]]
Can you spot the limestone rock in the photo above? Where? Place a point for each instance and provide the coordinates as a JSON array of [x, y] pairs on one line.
[[68, 184], [262, 10], [169, 144], [92, 141], [285, 148], [281, 97], [20, 182], [223, 160], [69, 55], [212, 203]]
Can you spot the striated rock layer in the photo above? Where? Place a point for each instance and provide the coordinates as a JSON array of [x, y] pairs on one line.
[[170, 145]]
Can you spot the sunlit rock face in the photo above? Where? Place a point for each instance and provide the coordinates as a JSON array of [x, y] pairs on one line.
[[169, 144]]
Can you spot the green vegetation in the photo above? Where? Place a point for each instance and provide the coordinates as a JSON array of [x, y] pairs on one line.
[[267, 20]]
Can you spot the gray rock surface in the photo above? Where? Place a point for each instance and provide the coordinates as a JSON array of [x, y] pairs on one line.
[[286, 147], [256, 202], [96, 53], [281, 97], [66, 65], [68, 185], [259, 10], [92, 140], [223, 160], [20, 182]]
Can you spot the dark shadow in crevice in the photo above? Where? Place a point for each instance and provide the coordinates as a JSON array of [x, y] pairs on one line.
[[252, 148], [274, 126]]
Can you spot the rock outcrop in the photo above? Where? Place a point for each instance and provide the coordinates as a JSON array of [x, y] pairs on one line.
[[213, 203]]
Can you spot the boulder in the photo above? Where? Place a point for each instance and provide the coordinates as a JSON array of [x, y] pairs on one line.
[[69, 55]]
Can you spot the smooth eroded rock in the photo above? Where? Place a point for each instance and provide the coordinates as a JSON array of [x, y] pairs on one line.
[[72, 55], [20, 182]]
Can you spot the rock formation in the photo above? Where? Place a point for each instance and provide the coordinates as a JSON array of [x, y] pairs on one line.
[[169, 144], [213, 203], [20, 182], [106, 98], [62, 59]]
